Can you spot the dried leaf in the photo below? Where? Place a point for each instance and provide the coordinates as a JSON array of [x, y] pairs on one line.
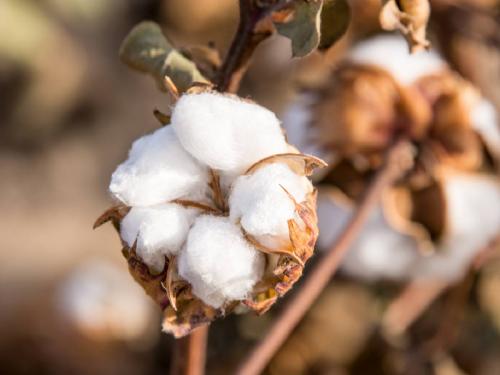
[[193, 204], [173, 285], [335, 17], [152, 284], [410, 17], [301, 164], [191, 314], [147, 50], [114, 214], [300, 22], [163, 118]]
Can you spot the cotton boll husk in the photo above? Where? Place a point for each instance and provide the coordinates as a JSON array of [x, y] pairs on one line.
[[380, 252], [262, 207], [103, 302], [390, 52], [159, 230], [158, 170], [473, 213], [218, 262], [225, 132]]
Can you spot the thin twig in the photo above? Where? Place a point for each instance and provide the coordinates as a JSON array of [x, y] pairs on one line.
[[396, 164], [190, 353]]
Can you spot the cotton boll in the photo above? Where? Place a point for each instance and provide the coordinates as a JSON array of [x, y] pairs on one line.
[[225, 132], [473, 211], [159, 230], [390, 52], [103, 302], [259, 202], [158, 170], [380, 252], [485, 121], [218, 262]]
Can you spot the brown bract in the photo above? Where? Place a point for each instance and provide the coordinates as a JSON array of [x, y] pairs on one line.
[[363, 109], [410, 17], [182, 310]]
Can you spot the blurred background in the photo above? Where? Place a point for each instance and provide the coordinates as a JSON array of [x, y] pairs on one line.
[[69, 111]]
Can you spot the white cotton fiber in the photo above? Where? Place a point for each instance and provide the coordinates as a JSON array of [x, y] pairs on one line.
[[259, 202], [218, 262], [159, 230], [225, 132], [473, 211], [158, 170], [297, 121], [391, 53], [380, 252], [103, 302], [486, 122]]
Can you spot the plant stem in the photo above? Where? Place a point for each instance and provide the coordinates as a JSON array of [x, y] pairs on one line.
[[190, 353], [246, 39], [319, 277]]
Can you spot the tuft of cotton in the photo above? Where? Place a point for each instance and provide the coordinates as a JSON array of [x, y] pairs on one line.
[[158, 170], [486, 122], [102, 301], [380, 252], [218, 262], [473, 212], [260, 204], [390, 52], [225, 132], [159, 231]]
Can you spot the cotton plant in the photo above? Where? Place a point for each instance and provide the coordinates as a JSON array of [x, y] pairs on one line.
[[215, 210], [446, 209]]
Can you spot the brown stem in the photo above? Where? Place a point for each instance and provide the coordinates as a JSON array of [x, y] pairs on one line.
[[190, 353], [321, 274], [247, 38]]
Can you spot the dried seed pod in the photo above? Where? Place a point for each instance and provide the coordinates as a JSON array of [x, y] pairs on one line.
[[410, 17], [234, 219], [357, 115]]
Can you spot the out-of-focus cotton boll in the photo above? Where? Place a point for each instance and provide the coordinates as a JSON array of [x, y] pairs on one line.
[[473, 214], [380, 252], [225, 132], [486, 122], [218, 262], [390, 52], [159, 230], [261, 205], [297, 120], [158, 170], [104, 303]]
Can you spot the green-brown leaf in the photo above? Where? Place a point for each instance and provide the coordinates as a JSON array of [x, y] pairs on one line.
[[335, 17], [146, 49]]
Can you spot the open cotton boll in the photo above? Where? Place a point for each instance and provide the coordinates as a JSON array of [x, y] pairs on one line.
[[218, 262], [380, 252], [225, 132], [159, 230], [390, 52], [261, 205], [158, 170], [473, 213]]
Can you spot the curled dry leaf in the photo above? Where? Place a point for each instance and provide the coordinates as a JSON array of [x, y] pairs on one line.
[[410, 17], [301, 164], [114, 214]]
